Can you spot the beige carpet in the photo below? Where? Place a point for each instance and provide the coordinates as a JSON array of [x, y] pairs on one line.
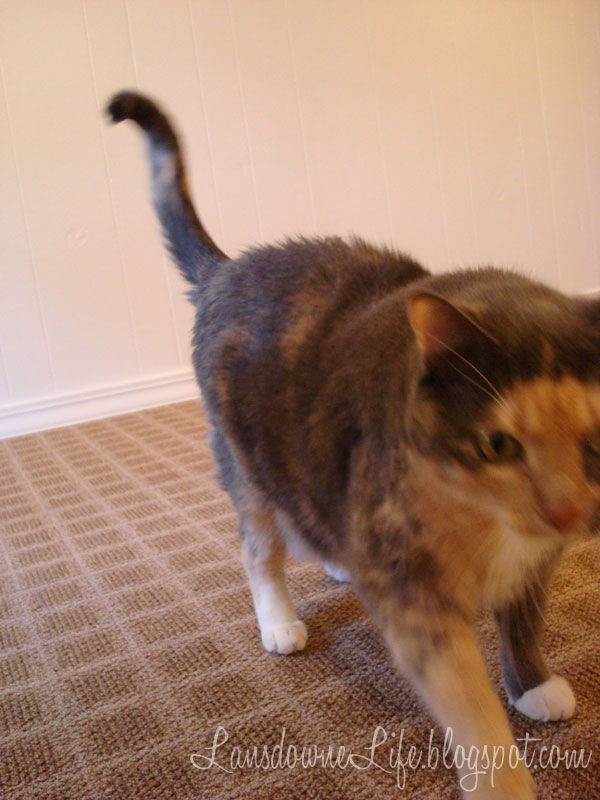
[[127, 638]]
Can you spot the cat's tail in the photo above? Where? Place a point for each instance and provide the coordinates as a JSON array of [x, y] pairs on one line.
[[192, 248]]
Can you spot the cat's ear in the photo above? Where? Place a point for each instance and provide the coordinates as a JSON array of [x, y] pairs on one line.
[[590, 309], [443, 330]]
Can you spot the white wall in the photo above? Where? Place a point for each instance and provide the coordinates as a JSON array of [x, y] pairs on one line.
[[464, 131]]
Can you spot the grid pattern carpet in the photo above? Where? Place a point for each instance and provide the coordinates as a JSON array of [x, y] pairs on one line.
[[128, 643]]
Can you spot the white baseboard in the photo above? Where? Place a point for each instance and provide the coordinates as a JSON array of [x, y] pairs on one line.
[[56, 411]]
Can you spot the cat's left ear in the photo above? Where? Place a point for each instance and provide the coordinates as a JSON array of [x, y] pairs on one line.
[[590, 308], [443, 330]]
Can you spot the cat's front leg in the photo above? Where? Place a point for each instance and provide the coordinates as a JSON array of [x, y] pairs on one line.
[[438, 653], [531, 688]]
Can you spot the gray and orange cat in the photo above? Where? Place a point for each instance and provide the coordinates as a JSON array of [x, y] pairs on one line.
[[433, 438]]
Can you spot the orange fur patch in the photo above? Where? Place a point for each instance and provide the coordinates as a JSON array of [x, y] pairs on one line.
[[547, 408]]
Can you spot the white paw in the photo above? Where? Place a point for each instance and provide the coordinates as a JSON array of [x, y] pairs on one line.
[[551, 700], [338, 573], [284, 638]]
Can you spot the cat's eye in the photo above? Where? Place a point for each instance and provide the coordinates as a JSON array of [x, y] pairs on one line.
[[498, 446]]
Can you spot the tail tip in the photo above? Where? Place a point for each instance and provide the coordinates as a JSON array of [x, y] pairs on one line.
[[124, 105], [146, 113]]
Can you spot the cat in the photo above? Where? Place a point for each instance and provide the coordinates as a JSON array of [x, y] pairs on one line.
[[435, 439]]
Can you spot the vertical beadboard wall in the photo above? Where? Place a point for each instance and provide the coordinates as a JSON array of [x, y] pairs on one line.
[[464, 131]]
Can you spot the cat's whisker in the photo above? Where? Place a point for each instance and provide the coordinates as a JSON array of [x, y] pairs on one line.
[[540, 585], [494, 393], [496, 398], [542, 588]]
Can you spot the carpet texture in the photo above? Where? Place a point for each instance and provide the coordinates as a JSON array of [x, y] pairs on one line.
[[128, 643]]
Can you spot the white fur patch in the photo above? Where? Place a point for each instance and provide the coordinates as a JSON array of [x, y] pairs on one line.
[[514, 558], [285, 637], [551, 700], [163, 169]]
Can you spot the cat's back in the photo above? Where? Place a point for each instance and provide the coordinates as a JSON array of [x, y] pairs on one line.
[[276, 299]]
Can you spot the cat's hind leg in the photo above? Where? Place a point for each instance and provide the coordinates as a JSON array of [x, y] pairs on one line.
[[263, 555]]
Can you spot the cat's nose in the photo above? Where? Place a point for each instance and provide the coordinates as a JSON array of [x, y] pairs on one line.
[[563, 515]]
